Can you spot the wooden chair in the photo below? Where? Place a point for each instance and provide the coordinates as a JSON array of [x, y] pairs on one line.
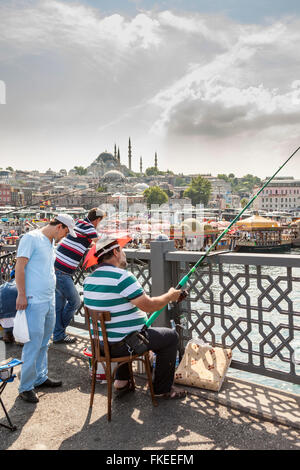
[[93, 318]]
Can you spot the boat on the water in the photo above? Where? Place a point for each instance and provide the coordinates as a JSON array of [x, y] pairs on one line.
[[261, 235]]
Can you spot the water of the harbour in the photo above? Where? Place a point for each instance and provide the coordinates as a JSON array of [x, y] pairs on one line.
[[254, 336], [274, 317]]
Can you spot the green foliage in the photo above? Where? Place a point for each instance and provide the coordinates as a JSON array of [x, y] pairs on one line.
[[10, 168], [155, 195], [198, 191], [169, 192], [80, 170], [101, 189], [241, 185], [152, 171], [244, 202]]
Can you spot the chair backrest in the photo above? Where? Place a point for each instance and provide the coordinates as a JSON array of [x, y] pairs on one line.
[[93, 318]]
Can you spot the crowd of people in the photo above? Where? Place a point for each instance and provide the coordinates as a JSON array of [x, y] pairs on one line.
[[42, 285]]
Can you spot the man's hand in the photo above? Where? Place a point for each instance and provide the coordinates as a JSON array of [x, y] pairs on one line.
[[174, 294], [21, 302]]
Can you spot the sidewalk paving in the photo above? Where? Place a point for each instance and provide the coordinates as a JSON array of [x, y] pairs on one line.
[[238, 417]]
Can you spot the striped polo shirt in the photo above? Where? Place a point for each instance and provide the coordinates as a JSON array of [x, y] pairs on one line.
[[111, 288], [71, 249]]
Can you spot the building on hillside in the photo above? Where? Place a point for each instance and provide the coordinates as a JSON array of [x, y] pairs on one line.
[[5, 176], [17, 197], [5, 194]]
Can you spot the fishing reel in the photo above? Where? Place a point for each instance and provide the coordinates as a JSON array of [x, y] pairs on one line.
[[183, 295]]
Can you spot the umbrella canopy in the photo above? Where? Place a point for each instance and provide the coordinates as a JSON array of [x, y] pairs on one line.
[[256, 221], [195, 227]]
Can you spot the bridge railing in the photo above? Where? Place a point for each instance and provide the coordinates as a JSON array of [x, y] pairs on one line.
[[248, 302]]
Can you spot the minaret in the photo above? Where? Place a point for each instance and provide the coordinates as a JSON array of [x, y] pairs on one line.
[[141, 165], [129, 155], [155, 161], [119, 159], [115, 151]]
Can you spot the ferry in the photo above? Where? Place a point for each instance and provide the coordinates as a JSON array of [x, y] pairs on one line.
[[261, 235]]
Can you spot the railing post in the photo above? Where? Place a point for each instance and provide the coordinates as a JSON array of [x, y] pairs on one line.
[[161, 272]]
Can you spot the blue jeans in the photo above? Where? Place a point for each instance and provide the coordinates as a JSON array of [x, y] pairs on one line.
[[67, 302], [41, 320], [8, 297]]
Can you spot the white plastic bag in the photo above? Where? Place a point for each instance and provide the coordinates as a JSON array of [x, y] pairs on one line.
[[20, 331]]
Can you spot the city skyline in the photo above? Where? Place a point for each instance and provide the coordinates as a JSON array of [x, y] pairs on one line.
[[212, 87]]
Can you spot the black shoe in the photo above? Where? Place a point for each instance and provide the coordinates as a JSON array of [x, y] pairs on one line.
[[29, 396], [8, 337], [66, 340], [50, 383]]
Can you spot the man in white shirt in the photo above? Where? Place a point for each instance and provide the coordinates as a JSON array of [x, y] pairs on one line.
[[35, 280]]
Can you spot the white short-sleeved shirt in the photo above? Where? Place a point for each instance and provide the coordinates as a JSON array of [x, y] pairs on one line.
[[40, 276]]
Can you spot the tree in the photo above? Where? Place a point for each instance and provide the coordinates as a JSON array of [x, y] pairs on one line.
[[242, 185], [10, 168], [152, 171], [101, 189], [198, 191], [179, 181], [223, 177], [80, 170], [155, 195], [244, 202]]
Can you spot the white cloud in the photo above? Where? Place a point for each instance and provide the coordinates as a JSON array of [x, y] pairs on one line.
[[217, 99]]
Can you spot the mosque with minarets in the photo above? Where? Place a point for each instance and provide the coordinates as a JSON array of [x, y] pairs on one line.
[[116, 176]]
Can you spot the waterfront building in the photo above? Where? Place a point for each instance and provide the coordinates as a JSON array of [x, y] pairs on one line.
[[281, 194]]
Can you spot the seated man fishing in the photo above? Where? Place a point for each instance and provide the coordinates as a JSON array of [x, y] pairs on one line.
[[112, 288]]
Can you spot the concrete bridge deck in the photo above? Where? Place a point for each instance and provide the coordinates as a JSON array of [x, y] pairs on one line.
[[242, 416]]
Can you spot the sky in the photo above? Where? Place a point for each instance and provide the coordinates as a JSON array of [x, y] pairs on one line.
[[212, 86]]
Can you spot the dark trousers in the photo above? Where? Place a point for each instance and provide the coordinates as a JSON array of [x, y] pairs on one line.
[[164, 342]]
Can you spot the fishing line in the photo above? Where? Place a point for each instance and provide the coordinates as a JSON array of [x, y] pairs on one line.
[[185, 278]]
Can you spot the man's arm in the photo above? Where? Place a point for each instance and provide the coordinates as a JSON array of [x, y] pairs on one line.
[[21, 303], [152, 304]]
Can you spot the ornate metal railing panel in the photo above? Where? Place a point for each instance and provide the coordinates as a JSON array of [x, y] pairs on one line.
[[7, 263], [248, 303]]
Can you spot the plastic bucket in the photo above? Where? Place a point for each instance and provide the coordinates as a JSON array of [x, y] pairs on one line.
[[100, 372]]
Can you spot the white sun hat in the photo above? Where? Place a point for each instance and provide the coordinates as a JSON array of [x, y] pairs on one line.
[[68, 221]]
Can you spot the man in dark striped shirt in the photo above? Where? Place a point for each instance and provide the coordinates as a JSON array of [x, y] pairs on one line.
[[68, 256]]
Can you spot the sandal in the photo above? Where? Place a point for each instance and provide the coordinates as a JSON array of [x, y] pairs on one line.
[[120, 392], [173, 394]]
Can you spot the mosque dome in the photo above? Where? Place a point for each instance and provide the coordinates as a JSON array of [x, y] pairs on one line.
[[113, 176], [141, 186], [106, 157]]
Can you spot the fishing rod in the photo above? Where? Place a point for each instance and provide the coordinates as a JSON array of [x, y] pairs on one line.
[[185, 278]]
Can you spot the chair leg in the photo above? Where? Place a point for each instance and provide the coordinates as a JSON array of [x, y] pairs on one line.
[[109, 389], [149, 375], [10, 426], [94, 369], [131, 375]]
